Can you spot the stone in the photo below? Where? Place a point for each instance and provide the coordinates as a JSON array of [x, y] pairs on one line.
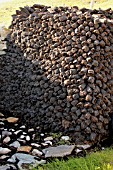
[[22, 127], [24, 133], [42, 135], [36, 152], [16, 124], [12, 130], [22, 137], [4, 151], [35, 144], [6, 133], [21, 156], [78, 150], [12, 119], [83, 146], [6, 140], [59, 151], [27, 138], [15, 144], [66, 138], [44, 144], [48, 142], [4, 157], [26, 166], [22, 141], [25, 159], [8, 167], [48, 138], [31, 130], [1, 115], [1, 123], [17, 132], [24, 149], [33, 136], [37, 127]]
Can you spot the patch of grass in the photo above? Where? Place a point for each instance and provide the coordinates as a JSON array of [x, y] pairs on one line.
[[56, 135], [7, 9], [96, 161]]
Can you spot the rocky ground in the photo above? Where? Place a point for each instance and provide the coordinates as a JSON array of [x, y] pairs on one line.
[[20, 145]]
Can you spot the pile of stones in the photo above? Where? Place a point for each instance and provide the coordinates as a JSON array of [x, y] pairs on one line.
[[22, 147], [57, 72]]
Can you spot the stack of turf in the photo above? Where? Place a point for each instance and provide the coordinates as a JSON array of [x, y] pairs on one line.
[[58, 70]]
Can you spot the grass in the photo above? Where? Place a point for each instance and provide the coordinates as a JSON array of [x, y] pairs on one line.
[[9, 8], [96, 161]]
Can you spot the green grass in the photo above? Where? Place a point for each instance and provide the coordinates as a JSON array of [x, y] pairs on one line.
[[9, 8], [96, 161]]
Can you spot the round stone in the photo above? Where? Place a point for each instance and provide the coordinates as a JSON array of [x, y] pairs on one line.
[[66, 138], [6, 140], [15, 144]]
